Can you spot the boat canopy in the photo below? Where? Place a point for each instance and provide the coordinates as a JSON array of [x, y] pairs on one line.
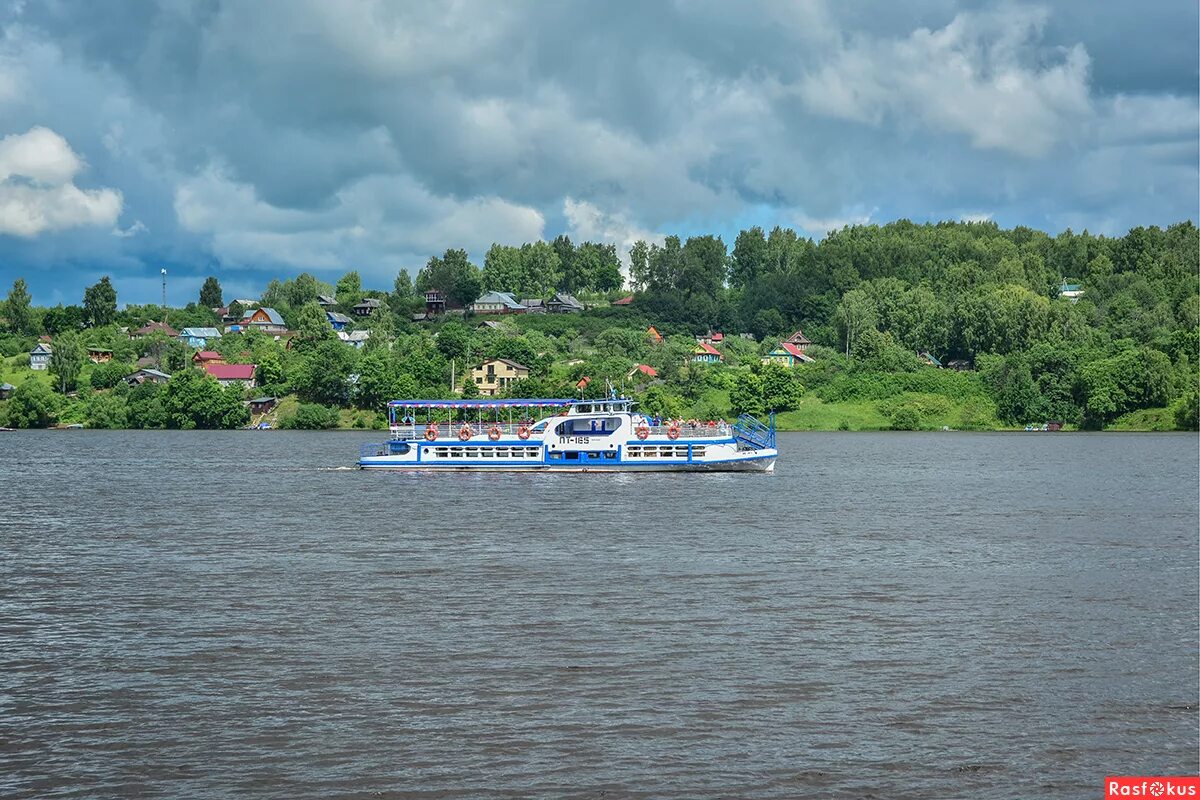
[[473, 404]]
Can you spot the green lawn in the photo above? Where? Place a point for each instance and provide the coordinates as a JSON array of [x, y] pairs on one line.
[[1145, 419]]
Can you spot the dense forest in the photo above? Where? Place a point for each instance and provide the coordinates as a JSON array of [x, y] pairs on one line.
[[870, 298]]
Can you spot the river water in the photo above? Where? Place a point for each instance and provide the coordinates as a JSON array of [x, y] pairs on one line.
[[220, 615]]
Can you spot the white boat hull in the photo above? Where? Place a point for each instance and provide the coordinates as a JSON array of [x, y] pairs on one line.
[[758, 461]]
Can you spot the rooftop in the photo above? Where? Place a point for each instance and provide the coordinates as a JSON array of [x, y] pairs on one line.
[[231, 372]]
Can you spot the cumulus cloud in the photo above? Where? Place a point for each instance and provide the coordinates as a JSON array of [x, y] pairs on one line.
[[371, 134], [37, 189], [982, 75], [588, 223], [378, 224]]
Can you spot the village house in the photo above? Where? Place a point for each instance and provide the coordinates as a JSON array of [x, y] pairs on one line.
[[99, 355], [337, 320], [354, 338], [624, 301], [712, 337], [534, 305], [198, 337], [563, 303], [202, 357], [493, 376], [654, 336], [232, 374], [799, 339], [146, 375], [435, 302], [267, 320], [39, 356], [325, 301], [151, 328], [642, 376], [929, 358], [262, 405], [366, 307], [497, 303], [6, 390], [706, 354], [787, 354]]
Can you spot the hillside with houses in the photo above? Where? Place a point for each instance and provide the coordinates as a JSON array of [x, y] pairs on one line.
[[957, 325]]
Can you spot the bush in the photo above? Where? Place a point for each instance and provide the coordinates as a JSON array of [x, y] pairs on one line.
[[32, 405], [108, 375], [311, 417], [906, 418]]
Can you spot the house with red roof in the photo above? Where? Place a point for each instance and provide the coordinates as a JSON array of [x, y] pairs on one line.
[[153, 327], [799, 339], [712, 337], [232, 374], [787, 354], [203, 357], [624, 301], [645, 369], [705, 353], [655, 336]]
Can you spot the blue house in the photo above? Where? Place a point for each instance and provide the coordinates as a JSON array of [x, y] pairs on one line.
[[198, 337], [39, 357], [338, 321]]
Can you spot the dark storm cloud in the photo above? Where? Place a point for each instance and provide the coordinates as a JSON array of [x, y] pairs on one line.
[[287, 135]]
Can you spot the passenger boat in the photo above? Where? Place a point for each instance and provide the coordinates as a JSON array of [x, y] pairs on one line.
[[581, 436]]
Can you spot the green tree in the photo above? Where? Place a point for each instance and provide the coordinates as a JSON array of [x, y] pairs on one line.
[[639, 264], [781, 391], [304, 289], [311, 327], [210, 293], [106, 410], [100, 303], [63, 318], [311, 417], [106, 376], [402, 287], [32, 405], [195, 400], [349, 290], [746, 397], [18, 308], [324, 376], [67, 359], [541, 269], [454, 275], [454, 341], [749, 257], [144, 406], [502, 269]]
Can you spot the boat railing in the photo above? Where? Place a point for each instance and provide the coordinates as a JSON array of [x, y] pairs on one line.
[[754, 432], [372, 450], [412, 431]]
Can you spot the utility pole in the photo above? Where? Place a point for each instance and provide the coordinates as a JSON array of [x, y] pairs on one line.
[[164, 294]]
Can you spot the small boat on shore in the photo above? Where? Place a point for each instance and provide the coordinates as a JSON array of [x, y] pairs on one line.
[[584, 436]]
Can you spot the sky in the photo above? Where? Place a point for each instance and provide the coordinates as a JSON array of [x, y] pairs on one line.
[[261, 138]]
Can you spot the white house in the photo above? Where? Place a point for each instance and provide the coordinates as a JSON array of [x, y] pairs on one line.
[[39, 357]]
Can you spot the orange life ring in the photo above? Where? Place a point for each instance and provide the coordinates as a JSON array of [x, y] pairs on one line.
[[494, 432], [643, 431], [464, 433], [523, 432], [431, 432], [673, 432]]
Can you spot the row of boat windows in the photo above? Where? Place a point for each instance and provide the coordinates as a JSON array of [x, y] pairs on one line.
[[484, 452], [663, 451]]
